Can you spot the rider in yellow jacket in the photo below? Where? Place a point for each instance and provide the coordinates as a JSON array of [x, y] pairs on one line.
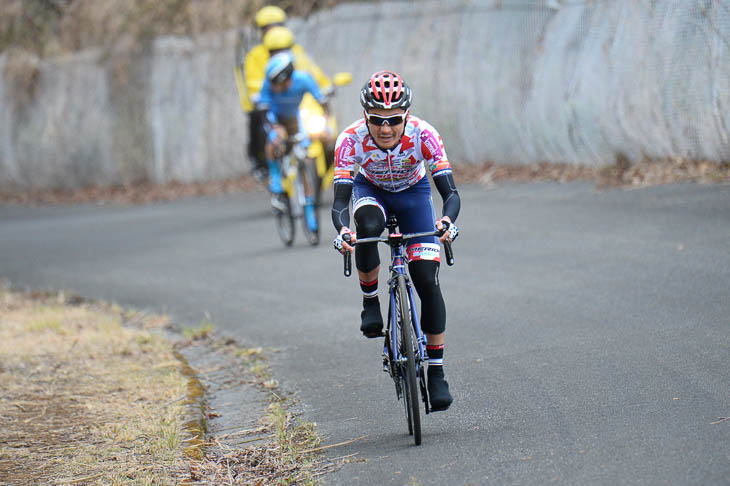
[[250, 75]]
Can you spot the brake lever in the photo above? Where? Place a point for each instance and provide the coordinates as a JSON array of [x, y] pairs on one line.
[[447, 244], [347, 256]]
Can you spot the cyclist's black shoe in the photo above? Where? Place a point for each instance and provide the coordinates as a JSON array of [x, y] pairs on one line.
[[438, 389], [372, 321]]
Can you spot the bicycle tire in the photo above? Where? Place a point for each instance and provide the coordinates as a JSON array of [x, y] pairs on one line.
[[285, 223], [308, 176], [408, 369]]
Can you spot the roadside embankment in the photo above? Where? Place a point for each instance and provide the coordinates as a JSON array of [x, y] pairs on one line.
[[97, 394], [91, 394], [618, 175]]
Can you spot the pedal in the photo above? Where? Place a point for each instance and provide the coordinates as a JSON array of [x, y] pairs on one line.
[[278, 203]]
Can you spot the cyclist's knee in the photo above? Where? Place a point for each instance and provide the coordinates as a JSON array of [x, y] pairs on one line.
[[270, 151], [367, 257], [369, 221]]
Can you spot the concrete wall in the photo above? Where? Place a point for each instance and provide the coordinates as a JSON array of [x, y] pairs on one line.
[[511, 81], [167, 113]]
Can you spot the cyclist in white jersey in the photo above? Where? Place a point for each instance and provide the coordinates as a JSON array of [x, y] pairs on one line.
[[394, 152]]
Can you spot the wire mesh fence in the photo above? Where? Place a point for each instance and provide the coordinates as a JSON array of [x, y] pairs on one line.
[[524, 81], [581, 82]]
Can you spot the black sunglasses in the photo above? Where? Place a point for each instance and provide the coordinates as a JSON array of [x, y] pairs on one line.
[[392, 121]]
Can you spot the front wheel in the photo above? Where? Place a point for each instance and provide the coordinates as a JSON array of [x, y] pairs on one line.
[[408, 367], [285, 221]]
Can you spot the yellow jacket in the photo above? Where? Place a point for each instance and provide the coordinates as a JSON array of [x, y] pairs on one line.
[[254, 69]]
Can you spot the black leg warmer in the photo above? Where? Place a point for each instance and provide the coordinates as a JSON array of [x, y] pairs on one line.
[[369, 221], [424, 275]]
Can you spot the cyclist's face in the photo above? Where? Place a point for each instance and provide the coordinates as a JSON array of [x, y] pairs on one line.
[[281, 87], [386, 135]]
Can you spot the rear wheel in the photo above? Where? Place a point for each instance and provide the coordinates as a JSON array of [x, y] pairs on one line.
[[407, 345]]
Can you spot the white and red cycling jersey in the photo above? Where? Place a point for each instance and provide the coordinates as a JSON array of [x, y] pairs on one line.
[[392, 170]]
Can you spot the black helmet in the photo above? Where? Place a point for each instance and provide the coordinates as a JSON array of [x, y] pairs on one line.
[[386, 90]]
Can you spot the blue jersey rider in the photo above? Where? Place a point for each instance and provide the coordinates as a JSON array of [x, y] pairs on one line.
[[281, 95]]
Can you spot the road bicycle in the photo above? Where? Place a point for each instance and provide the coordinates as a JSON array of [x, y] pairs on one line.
[[299, 180], [404, 356]]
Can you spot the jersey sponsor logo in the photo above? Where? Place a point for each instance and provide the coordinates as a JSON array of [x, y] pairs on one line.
[[424, 251], [432, 145], [343, 175], [343, 154], [439, 166]]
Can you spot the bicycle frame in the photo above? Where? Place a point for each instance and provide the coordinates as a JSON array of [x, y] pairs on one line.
[[391, 349], [289, 168], [298, 181]]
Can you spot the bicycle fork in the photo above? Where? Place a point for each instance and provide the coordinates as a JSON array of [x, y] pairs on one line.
[[421, 356], [392, 357]]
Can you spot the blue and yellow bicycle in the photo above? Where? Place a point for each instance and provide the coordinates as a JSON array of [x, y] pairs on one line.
[[299, 180]]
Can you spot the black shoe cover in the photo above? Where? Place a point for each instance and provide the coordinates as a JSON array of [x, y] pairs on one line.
[[438, 389], [372, 321]]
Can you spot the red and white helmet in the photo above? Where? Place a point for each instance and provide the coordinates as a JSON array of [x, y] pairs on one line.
[[386, 90]]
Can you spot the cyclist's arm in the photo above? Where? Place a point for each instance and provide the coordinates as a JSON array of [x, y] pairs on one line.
[[311, 86], [343, 180], [269, 120], [451, 200], [434, 153], [340, 206], [270, 124]]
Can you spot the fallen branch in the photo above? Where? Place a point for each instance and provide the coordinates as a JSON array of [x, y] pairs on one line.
[[317, 449]]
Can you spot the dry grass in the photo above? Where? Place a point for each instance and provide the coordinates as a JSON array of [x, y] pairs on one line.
[[48, 27], [619, 175], [287, 455], [281, 450], [93, 395], [490, 174], [203, 331], [86, 399], [51, 27], [667, 171], [141, 193]]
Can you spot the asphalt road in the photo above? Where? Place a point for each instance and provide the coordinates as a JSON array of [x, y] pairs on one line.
[[588, 334]]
